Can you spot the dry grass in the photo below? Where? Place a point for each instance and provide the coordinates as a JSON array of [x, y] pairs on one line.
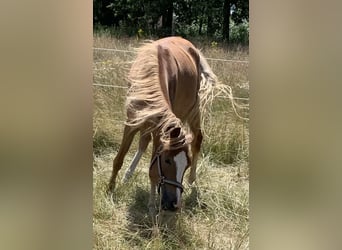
[[215, 214]]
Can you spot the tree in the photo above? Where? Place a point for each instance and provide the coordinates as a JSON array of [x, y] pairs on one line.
[[167, 17], [158, 17], [238, 11], [226, 19], [102, 14]]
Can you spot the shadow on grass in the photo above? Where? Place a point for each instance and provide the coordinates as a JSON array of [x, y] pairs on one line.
[[174, 234], [138, 215], [193, 202], [103, 142]]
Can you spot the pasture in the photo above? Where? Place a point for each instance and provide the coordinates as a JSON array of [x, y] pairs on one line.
[[216, 208]]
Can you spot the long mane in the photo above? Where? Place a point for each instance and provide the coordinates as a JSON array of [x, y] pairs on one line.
[[146, 104]]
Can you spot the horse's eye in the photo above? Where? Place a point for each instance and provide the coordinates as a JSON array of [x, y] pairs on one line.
[[167, 161]]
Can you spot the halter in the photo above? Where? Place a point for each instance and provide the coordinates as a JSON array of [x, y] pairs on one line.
[[162, 178]]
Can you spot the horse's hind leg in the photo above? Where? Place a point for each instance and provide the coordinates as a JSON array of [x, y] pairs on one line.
[[127, 139], [143, 143], [195, 127]]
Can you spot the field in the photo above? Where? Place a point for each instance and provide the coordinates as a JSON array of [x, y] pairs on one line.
[[216, 207]]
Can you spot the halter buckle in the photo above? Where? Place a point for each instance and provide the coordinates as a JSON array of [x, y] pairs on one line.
[[161, 180]]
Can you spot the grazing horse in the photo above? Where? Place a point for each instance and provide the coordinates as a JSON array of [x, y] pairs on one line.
[[163, 104]]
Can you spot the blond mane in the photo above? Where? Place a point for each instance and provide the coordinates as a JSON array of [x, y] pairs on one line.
[[146, 104]]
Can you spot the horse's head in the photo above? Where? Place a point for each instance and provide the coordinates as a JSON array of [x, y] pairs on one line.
[[168, 168]]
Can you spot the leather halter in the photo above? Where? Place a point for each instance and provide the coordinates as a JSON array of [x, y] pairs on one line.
[[162, 178]]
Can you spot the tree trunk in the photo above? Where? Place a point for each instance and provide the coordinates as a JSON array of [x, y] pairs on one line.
[[210, 28], [201, 21], [226, 20], [167, 18], [200, 27]]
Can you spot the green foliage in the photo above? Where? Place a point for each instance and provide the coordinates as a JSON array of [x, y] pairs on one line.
[[240, 32], [101, 141], [187, 30], [191, 18], [240, 11]]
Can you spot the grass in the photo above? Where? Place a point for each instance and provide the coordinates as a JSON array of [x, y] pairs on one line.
[[215, 213]]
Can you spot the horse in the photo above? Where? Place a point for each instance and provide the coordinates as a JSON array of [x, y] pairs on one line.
[[163, 104]]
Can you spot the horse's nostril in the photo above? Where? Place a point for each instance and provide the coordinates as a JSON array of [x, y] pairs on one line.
[[172, 206]]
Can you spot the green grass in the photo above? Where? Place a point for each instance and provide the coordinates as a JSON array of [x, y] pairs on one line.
[[215, 213]]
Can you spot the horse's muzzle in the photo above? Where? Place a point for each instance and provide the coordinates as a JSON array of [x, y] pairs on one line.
[[169, 204]]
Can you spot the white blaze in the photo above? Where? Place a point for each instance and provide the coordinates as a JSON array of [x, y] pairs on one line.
[[181, 163]]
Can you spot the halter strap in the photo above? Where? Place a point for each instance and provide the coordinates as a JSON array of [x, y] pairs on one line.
[[162, 178]]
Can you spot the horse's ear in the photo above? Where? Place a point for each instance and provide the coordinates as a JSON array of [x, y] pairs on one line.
[[175, 133]]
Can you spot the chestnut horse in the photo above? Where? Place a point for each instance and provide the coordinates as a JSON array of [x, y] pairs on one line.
[[163, 104]]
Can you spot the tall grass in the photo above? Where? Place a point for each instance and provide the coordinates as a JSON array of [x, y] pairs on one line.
[[215, 213]]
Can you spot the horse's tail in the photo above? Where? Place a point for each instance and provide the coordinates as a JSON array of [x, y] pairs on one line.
[[210, 87], [208, 76], [208, 84]]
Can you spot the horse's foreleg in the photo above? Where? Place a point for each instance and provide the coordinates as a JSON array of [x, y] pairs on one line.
[[152, 202], [127, 139], [195, 147], [143, 143]]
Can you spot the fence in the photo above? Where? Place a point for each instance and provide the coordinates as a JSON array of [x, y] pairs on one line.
[[109, 103], [133, 52], [208, 58]]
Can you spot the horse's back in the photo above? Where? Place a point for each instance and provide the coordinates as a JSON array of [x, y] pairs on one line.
[[179, 73]]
